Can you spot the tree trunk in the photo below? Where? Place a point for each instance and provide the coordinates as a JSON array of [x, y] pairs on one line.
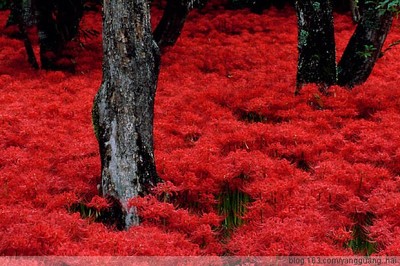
[[21, 14], [24, 8], [123, 108], [316, 43], [355, 11], [57, 23], [365, 45], [171, 24], [49, 40], [69, 14]]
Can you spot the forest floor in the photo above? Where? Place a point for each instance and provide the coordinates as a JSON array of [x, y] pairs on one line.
[[287, 175]]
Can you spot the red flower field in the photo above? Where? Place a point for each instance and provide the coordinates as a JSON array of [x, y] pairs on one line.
[[320, 175]]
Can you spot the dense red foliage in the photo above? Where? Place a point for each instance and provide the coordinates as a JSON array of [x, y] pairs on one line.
[[225, 115]]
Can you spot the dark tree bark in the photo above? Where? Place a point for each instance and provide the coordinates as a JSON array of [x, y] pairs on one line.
[[24, 8], [57, 23], [171, 24], [49, 39], [365, 45], [123, 108], [69, 14], [21, 13], [316, 43], [348, 5], [355, 11]]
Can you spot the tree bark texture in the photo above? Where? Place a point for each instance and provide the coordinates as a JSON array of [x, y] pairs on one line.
[[21, 13], [316, 43], [57, 23], [49, 40], [365, 45], [123, 107], [355, 11], [24, 8], [171, 24]]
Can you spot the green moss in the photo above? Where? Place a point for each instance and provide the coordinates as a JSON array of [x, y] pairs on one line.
[[303, 38], [316, 6]]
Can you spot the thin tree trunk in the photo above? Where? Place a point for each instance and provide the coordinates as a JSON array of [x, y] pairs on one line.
[[355, 11], [22, 13], [69, 14], [123, 108], [57, 23], [49, 39], [316, 43], [365, 45], [171, 24], [24, 8]]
